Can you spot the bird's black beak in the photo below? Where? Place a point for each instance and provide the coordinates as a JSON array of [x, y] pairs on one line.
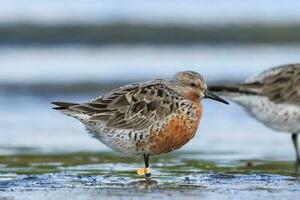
[[213, 96]]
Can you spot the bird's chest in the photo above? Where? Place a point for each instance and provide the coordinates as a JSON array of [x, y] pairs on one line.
[[280, 117], [177, 131]]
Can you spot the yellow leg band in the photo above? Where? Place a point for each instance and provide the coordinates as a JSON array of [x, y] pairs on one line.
[[144, 171]]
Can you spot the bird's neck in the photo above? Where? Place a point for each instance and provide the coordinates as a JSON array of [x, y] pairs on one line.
[[192, 96]]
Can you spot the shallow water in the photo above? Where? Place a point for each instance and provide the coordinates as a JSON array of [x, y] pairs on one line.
[[90, 175], [111, 63]]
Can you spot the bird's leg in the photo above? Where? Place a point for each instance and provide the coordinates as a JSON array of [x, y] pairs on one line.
[[295, 142], [147, 166], [146, 170]]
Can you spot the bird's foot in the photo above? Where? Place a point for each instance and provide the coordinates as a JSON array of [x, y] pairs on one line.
[[145, 171]]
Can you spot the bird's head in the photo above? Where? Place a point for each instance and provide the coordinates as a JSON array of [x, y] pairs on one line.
[[192, 85]]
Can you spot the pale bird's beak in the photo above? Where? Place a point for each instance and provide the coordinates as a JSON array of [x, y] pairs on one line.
[[213, 96]]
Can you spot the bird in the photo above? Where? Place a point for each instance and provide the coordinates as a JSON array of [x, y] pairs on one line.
[[273, 98], [145, 118]]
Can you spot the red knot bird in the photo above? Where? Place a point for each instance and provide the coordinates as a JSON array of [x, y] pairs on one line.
[[145, 118], [273, 98]]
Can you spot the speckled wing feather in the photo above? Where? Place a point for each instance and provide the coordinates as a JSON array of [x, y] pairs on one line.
[[134, 106], [280, 84]]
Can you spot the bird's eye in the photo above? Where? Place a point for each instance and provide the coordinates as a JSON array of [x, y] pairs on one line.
[[193, 84]]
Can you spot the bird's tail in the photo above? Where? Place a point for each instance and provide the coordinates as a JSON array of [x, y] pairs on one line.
[[68, 109], [63, 105]]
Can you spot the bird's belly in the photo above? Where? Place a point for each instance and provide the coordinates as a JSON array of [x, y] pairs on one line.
[[167, 136], [280, 117], [176, 133], [121, 140]]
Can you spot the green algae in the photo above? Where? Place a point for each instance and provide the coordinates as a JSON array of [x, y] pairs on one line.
[[168, 164]]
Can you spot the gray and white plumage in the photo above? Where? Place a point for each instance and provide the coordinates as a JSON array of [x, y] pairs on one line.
[[272, 97], [134, 119], [123, 117]]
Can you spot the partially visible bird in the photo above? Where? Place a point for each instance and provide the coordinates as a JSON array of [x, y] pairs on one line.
[[273, 98], [145, 118]]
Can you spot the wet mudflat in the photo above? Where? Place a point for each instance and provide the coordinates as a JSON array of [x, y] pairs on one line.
[[175, 176]]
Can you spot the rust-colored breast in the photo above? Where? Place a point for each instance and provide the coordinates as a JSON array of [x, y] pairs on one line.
[[179, 130]]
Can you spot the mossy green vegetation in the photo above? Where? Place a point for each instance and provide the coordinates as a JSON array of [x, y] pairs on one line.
[[167, 164]]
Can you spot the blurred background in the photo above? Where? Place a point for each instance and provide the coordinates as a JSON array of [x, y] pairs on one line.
[[63, 50]]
